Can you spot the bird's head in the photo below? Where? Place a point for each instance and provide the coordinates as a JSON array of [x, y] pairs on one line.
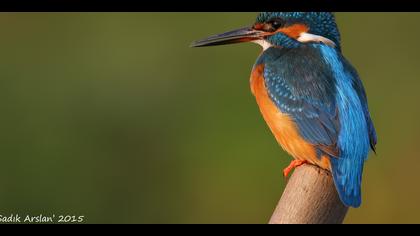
[[282, 29]]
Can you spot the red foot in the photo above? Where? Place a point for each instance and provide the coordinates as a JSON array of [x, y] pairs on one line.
[[293, 164]]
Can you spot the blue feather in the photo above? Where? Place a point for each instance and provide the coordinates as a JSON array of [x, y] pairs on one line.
[[353, 139], [358, 86], [320, 90], [320, 23], [315, 85], [301, 85]]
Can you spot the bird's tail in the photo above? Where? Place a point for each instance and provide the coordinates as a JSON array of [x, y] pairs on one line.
[[347, 175]]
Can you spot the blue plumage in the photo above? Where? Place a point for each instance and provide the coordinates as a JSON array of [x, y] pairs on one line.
[[353, 139], [300, 85], [321, 23], [307, 78], [321, 91]]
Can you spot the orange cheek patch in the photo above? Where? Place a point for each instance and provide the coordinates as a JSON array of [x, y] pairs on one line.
[[294, 31]]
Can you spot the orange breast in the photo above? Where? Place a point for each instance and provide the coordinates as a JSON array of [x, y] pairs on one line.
[[282, 125]]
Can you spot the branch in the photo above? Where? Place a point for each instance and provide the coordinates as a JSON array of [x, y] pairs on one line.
[[310, 197]]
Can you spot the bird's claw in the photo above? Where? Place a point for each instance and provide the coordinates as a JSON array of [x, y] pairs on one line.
[[293, 164]]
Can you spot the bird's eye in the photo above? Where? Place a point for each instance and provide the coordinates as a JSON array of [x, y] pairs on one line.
[[273, 24], [277, 23]]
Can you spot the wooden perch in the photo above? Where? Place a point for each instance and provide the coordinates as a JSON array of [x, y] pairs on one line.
[[310, 197]]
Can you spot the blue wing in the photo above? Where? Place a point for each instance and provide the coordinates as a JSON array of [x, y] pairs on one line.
[[321, 91], [358, 87], [356, 129], [302, 86]]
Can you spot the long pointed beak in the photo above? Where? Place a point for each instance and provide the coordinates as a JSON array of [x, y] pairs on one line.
[[246, 34]]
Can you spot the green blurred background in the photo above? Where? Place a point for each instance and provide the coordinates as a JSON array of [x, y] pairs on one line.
[[113, 116]]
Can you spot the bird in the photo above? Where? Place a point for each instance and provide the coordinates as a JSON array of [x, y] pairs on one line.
[[309, 94]]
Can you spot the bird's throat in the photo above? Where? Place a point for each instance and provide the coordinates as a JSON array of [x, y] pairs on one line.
[[263, 43]]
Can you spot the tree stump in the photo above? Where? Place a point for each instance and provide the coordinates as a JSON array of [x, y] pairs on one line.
[[310, 197]]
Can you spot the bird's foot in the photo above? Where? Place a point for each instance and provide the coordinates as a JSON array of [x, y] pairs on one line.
[[293, 164]]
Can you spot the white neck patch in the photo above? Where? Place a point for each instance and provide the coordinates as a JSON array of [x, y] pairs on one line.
[[307, 37], [303, 38], [263, 43]]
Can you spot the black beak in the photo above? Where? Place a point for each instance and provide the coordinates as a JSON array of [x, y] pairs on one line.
[[246, 34]]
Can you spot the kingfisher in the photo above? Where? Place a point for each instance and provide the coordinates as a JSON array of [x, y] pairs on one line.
[[309, 94]]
